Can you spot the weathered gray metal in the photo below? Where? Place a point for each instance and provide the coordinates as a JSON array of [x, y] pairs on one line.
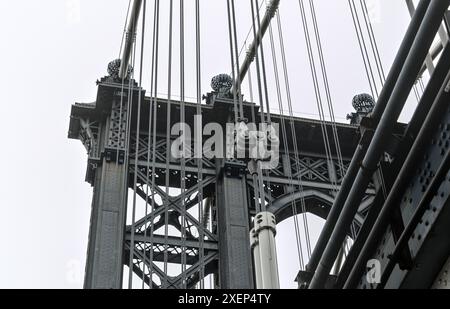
[[129, 38], [91, 123], [367, 136], [251, 53]]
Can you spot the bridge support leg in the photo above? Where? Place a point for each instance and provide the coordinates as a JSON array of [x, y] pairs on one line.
[[104, 260], [235, 267]]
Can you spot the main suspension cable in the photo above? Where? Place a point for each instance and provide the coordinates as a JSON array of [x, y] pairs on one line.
[[124, 29]]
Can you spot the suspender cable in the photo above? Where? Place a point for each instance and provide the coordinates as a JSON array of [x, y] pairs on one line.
[[266, 96], [421, 84], [257, 178], [294, 141], [286, 147], [363, 49], [183, 159], [127, 157], [201, 233], [416, 93], [126, 48], [136, 157], [258, 68], [327, 89], [316, 87], [254, 177], [294, 137], [238, 89], [263, 64], [129, 52], [330, 105], [373, 41], [258, 197], [168, 141], [151, 132], [233, 69]]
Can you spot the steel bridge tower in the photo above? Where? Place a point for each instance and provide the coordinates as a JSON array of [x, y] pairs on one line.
[[399, 221], [227, 188]]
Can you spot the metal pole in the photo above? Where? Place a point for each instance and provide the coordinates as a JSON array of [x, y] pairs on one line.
[[270, 13], [399, 186], [407, 78], [129, 39], [363, 145], [340, 259], [265, 229], [413, 130]]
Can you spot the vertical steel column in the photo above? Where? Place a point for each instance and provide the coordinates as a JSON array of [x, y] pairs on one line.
[[235, 264], [108, 229], [104, 267]]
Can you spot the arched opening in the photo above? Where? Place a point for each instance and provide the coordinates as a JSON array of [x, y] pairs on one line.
[[288, 248], [300, 220]]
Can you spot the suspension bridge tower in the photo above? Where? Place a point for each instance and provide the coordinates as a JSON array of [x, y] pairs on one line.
[[177, 222]]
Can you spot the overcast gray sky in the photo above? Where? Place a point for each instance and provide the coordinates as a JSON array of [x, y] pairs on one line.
[[53, 51]]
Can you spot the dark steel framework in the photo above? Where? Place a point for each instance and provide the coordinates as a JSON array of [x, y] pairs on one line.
[[400, 220], [227, 184], [406, 230]]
